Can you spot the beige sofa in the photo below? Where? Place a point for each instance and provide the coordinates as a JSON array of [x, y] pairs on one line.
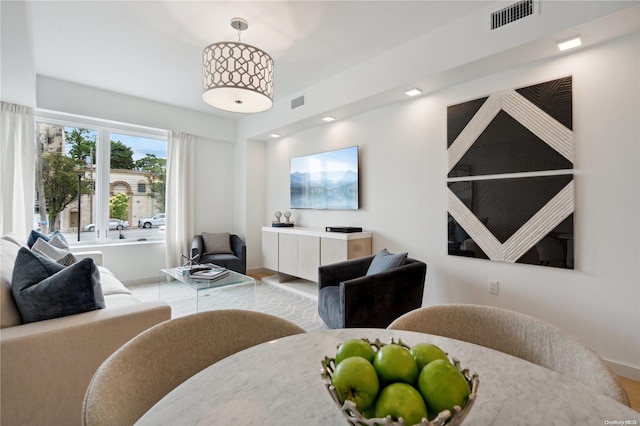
[[46, 366]]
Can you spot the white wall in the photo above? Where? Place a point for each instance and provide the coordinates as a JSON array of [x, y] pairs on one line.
[[255, 191], [17, 67], [403, 199], [133, 263], [214, 193], [63, 96], [470, 51]]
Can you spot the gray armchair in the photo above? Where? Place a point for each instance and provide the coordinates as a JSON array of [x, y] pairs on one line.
[[348, 298], [235, 261]]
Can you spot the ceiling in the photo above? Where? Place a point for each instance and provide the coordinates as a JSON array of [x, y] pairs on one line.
[[153, 49]]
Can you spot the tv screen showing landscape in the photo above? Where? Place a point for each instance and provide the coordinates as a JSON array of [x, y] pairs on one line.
[[328, 180]]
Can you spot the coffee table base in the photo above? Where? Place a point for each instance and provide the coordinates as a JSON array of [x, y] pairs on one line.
[[181, 289]]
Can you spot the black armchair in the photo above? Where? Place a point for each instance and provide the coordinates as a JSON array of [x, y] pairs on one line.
[[348, 298], [236, 261]]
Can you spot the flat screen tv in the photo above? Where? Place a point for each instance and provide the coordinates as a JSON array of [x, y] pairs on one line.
[[328, 180]]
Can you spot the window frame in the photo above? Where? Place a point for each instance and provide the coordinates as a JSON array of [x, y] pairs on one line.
[[101, 181]]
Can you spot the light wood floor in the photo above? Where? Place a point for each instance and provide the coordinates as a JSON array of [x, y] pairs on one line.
[[631, 386], [633, 391]]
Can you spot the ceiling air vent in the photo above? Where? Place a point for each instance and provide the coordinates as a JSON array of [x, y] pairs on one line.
[[512, 13], [297, 102]]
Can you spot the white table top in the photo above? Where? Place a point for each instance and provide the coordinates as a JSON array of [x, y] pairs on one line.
[[278, 383], [318, 232]]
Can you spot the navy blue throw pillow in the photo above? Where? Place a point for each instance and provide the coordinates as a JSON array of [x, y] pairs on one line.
[[44, 289], [34, 235]]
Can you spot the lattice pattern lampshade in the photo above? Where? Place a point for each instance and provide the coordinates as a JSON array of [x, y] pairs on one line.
[[237, 77]]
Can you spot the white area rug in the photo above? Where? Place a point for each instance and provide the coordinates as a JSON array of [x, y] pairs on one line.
[[299, 309]]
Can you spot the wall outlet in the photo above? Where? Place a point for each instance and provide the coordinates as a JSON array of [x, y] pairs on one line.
[[493, 287]]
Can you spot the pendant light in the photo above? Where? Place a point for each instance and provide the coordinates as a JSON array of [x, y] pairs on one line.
[[237, 77]]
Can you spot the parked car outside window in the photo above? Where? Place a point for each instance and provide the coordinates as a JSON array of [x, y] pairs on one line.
[[157, 220], [113, 224]]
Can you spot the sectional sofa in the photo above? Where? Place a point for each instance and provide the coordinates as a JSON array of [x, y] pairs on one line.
[[46, 366]]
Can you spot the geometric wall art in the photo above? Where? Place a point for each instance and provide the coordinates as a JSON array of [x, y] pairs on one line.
[[510, 179]]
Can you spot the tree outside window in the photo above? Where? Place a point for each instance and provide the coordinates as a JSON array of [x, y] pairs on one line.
[[119, 206], [157, 168], [57, 172]]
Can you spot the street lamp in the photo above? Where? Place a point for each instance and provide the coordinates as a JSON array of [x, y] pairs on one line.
[[89, 162], [79, 205]]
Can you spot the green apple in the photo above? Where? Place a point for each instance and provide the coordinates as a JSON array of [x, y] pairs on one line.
[[424, 353], [355, 347], [401, 400], [394, 363], [370, 412], [442, 385], [356, 380]]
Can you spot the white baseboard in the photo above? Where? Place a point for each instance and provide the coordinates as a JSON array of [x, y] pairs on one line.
[[624, 370]]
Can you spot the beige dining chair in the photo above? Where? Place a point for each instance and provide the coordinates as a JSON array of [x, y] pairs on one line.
[[156, 361], [519, 335]]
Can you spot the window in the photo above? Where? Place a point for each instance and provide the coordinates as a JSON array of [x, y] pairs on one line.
[[96, 181]]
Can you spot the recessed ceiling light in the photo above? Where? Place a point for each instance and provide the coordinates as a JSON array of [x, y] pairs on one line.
[[569, 44], [275, 135], [413, 92], [329, 118]]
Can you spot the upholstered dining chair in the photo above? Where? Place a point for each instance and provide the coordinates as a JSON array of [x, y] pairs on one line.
[[519, 335], [156, 361]]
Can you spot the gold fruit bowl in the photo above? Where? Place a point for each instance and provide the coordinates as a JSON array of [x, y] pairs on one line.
[[355, 418]]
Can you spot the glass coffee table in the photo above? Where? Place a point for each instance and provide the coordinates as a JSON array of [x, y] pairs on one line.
[[199, 287]]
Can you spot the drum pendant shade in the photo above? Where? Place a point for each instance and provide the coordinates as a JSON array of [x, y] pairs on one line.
[[237, 77]]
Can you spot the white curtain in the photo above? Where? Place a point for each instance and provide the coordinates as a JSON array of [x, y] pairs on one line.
[[17, 169], [179, 199]]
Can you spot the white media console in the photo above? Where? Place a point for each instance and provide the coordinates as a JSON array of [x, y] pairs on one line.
[[298, 251]]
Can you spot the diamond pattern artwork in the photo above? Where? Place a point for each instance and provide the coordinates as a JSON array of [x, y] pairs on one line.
[[552, 97], [521, 220], [512, 131], [494, 214]]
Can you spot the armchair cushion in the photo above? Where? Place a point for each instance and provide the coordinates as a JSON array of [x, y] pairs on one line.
[[43, 289], [384, 261], [331, 306], [219, 243]]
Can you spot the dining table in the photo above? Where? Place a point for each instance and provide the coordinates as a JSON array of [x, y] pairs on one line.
[[279, 383]]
